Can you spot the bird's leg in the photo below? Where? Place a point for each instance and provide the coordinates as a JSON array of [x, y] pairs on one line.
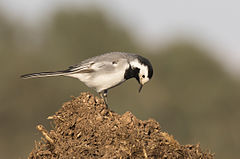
[[103, 95]]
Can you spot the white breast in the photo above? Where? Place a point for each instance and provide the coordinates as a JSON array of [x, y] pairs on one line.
[[104, 78]]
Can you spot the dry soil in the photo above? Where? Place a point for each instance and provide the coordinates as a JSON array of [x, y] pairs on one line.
[[85, 128]]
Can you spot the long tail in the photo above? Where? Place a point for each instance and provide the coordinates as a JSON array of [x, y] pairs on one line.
[[43, 74]]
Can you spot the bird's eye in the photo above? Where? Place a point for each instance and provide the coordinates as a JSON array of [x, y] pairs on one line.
[[143, 76]]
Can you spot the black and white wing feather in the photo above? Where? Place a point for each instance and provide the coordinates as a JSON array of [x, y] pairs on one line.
[[103, 63], [86, 67]]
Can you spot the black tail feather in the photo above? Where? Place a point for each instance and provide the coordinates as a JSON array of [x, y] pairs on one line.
[[42, 74]]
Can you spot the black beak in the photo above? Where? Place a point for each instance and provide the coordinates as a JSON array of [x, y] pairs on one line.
[[140, 88]]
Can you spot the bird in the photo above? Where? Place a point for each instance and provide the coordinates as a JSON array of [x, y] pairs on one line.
[[106, 71]]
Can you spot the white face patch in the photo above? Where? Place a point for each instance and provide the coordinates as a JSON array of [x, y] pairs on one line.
[[143, 71]]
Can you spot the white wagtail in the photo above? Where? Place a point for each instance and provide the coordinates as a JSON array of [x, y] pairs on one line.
[[106, 71]]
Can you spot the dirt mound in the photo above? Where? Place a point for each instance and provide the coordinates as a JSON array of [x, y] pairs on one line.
[[84, 128]]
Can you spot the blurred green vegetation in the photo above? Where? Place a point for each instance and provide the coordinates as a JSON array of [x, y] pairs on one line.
[[190, 94]]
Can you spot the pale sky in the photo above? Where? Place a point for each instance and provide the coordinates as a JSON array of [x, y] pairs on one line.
[[215, 23]]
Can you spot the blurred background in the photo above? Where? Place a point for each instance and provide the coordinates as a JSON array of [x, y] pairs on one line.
[[193, 46]]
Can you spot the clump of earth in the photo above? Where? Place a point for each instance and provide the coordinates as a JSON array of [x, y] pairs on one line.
[[85, 128]]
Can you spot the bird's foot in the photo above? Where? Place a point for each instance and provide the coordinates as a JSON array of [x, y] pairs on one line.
[[103, 95]]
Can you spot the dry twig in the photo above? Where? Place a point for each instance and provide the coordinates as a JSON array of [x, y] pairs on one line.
[[45, 133]]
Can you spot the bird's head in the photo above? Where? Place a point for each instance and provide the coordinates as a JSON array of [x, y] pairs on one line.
[[143, 70]]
